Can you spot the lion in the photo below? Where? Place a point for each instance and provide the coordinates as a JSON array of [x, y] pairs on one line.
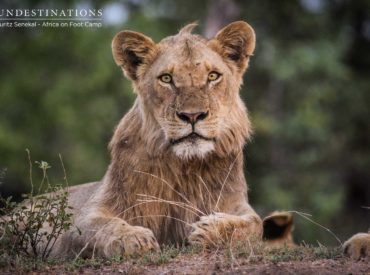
[[176, 172], [358, 246]]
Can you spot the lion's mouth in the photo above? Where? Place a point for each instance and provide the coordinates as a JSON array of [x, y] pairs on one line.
[[192, 137]]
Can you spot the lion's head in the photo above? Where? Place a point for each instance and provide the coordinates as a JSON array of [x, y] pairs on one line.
[[190, 86]]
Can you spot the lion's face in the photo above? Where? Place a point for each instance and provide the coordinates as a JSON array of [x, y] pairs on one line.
[[190, 85], [187, 91]]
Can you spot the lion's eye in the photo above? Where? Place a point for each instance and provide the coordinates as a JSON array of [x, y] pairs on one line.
[[166, 78], [212, 76]]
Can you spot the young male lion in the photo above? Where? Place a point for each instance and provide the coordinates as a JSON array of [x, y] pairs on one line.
[[176, 171]]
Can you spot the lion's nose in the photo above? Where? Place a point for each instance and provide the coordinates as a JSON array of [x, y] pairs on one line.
[[192, 118]]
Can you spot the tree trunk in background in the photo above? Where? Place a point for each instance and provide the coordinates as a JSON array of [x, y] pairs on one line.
[[220, 13]]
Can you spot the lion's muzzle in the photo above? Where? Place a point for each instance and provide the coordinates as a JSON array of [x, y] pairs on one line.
[[192, 118]]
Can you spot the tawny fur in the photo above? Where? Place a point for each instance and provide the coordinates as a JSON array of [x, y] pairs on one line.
[[358, 246], [158, 190], [277, 229]]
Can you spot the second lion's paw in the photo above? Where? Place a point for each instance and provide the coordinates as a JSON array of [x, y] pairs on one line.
[[358, 246]]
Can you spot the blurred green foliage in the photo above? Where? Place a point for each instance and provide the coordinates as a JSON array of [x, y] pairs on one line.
[[307, 90]]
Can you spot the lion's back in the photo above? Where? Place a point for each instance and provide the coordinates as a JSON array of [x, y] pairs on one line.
[[80, 194]]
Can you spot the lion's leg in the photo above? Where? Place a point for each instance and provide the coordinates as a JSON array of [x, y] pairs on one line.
[[106, 236], [235, 221]]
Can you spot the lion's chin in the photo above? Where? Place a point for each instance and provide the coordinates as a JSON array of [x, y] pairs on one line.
[[193, 149]]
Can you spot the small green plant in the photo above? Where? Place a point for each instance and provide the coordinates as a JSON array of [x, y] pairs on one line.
[[32, 228]]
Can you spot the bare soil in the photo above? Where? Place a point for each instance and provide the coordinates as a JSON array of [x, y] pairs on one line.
[[207, 265], [203, 263]]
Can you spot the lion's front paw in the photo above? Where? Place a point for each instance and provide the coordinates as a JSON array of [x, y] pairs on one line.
[[358, 246], [122, 238], [223, 229]]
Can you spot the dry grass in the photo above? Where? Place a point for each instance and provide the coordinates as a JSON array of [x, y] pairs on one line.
[[232, 253], [233, 257]]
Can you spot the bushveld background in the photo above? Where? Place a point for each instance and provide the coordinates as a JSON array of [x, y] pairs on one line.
[[307, 90]]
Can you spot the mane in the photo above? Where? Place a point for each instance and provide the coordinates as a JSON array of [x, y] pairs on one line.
[[188, 28], [141, 125], [185, 33], [144, 165]]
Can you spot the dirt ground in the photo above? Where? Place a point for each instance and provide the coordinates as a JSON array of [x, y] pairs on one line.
[[204, 265], [208, 263]]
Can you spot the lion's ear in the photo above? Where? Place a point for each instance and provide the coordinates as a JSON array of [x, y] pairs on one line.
[[278, 228], [132, 51], [235, 43]]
